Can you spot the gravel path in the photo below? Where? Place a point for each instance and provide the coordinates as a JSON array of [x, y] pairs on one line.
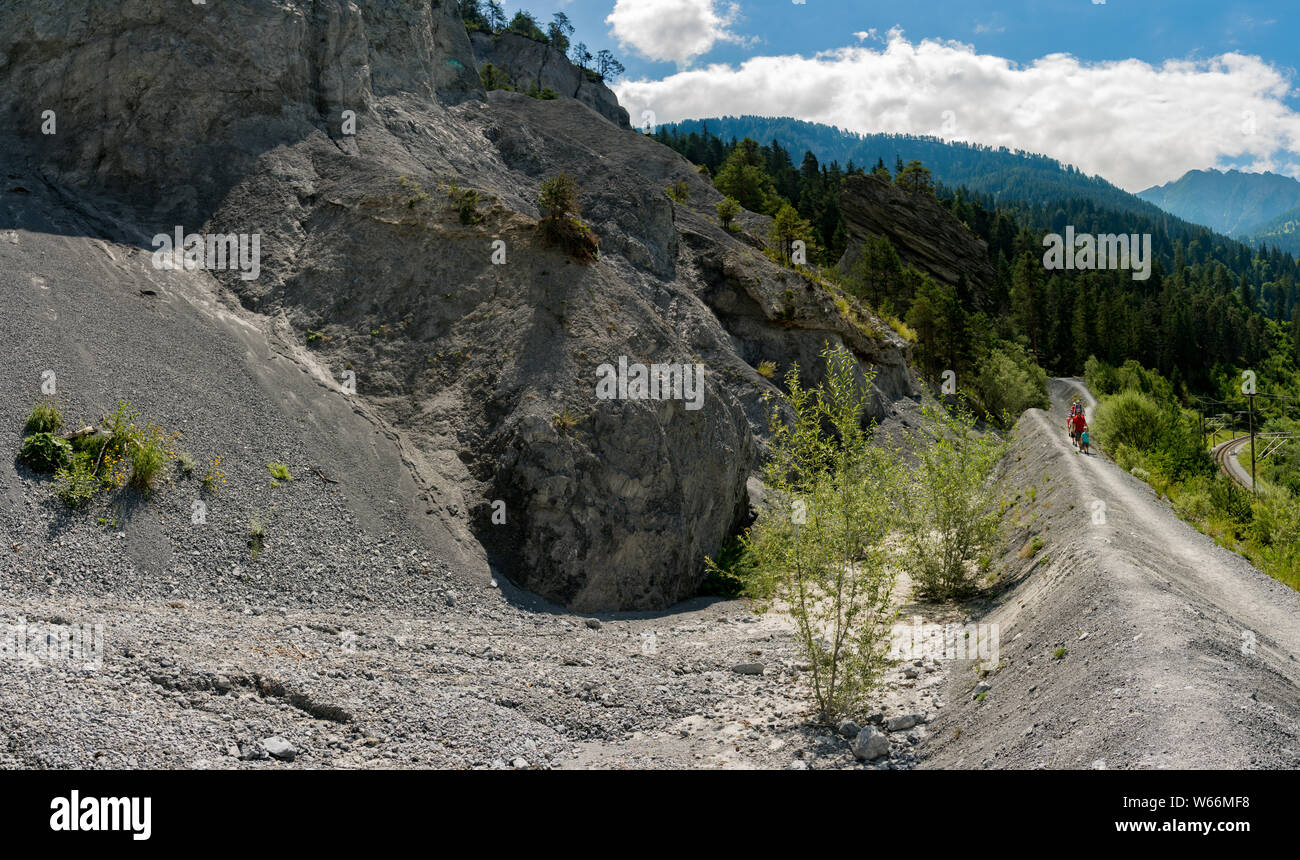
[[1129, 639]]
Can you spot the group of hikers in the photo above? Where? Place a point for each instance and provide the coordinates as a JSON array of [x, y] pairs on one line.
[[1077, 425]]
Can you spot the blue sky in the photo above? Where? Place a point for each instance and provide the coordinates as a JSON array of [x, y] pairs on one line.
[[1151, 30], [1137, 90]]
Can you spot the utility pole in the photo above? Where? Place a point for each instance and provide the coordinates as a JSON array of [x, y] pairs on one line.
[[1252, 442]]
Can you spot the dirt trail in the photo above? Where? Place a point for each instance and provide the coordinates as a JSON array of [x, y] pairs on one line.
[[1177, 653], [1254, 600]]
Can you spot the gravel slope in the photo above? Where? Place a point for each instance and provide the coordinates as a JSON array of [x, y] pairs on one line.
[[368, 636], [1179, 654], [365, 635]]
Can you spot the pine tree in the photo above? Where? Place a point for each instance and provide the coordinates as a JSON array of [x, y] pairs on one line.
[[1027, 300], [608, 68], [788, 228], [1295, 335], [915, 179], [744, 177], [559, 31]]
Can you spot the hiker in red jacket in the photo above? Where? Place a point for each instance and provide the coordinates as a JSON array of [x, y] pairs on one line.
[[1077, 425]]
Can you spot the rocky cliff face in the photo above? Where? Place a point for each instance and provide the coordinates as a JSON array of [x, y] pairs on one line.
[[476, 349], [183, 104], [926, 235], [529, 63]]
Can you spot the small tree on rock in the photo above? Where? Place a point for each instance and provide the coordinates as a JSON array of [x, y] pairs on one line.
[[560, 224], [728, 209]]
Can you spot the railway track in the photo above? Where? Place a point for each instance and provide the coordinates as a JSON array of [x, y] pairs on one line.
[[1224, 457]]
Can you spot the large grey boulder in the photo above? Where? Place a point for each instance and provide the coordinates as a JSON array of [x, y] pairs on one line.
[[870, 744]]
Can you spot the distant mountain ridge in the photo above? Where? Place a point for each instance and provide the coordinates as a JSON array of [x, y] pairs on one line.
[[1233, 203], [999, 173], [1282, 232]]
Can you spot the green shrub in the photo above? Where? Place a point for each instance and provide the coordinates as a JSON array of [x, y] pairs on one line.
[[1231, 499], [279, 471], [819, 547], [951, 512], [560, 225], [148, 458], [92, 444], [545, 94], [1128, 418], [730, 572], [256, 538], [44, 418], [1100, 376], [494, 78], [1193, 501], [1275, 517], [1127, 457], [44, 453], [145, 448], [1009, 382], [76, 484], [728, 208], [465, 201]]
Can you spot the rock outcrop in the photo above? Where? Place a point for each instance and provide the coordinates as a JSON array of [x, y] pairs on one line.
[[925, 234], [475, 347], [530, 63]]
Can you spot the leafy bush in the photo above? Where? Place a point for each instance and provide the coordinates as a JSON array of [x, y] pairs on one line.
[[1009, 382], [1127, 457], [679, 192], [1193, 500], [44, 418], [279, 471], [44, 453], [465, 202], [728, 209], [144, 447], [1129, 418], [729, 573], [819, 548], [77, 483], [951, 513], [1100, 377], [256, 538], [545, 94], [1231, 499]]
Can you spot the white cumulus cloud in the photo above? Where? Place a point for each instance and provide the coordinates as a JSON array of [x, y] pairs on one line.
[[672, 30], [1135, 123]]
